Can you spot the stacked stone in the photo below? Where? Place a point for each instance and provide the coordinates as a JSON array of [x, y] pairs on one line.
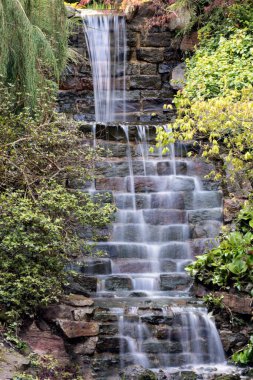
[[154, 70]]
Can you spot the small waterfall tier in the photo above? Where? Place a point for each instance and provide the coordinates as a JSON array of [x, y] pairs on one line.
[[167, 212], [106, 42]]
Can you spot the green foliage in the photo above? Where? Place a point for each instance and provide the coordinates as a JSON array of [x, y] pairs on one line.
[[212, 72], [36, 237], [230, 265], [244, 356], [224, 126], [213, 301], [216, 105], [40, 217], [33, 44], [47, 367], [11, 336]]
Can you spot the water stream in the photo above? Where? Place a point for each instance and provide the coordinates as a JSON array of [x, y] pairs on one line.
[[106, 42], [163, 210]]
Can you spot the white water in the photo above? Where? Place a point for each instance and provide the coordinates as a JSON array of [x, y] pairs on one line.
[[106, 42], [143, 246]]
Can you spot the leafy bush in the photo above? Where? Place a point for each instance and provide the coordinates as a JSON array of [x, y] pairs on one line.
[[244, 356], [213, 71], [40, 158], [216, 105], [36, 237], [230, 265]]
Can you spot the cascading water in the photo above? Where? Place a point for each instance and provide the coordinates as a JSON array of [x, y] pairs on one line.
[[161, 205], [162, 209], [106, 42]]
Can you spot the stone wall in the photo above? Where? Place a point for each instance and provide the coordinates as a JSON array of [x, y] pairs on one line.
[[152, 56]]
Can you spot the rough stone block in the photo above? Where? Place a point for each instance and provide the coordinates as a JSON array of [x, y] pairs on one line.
[[86, 348], [198, 216], [77, 300], [155, 347], [82, 314], [160, 217], [101, 266], [165, 68], [115, 283], [60, 311], [178, 77], [148, 69], [157, 319], [155, 104], [116, 184], [174, 282], [112, 344], [133, 69], [189, 42], [145, 82], [132, 38], [152, 55], [209, 229], [77, 329], [162, 39], [45, 343], [82, 285], [166, 168]]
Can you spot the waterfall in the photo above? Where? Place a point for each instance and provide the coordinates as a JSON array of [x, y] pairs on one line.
[[150, 244], [164, 216], [106, 42]]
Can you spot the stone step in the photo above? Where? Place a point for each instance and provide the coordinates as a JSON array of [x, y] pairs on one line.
[[145, 282], [164, 167], [187, 200], [118, 148], [146, 302], [142, 184], [154, 167], [140, 265], [151, 216], [149, 233], [169, 250]]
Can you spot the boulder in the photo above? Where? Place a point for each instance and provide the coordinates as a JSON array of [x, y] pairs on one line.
[[45, 343], [77, 300], [113, 344], [166, 67], [231, 208], [86, 348], [11, 362], [82, 285], [178, 77], [59, 311], [77, 329], [180, 19]]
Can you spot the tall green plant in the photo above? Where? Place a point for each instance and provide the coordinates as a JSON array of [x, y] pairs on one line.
[[33, 44]]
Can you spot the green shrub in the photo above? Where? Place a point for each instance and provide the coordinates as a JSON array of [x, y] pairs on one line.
[[40, 158], [230, 265], [244, 356]]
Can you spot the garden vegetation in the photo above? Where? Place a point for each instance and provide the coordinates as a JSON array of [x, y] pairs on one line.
[[41, 156]]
